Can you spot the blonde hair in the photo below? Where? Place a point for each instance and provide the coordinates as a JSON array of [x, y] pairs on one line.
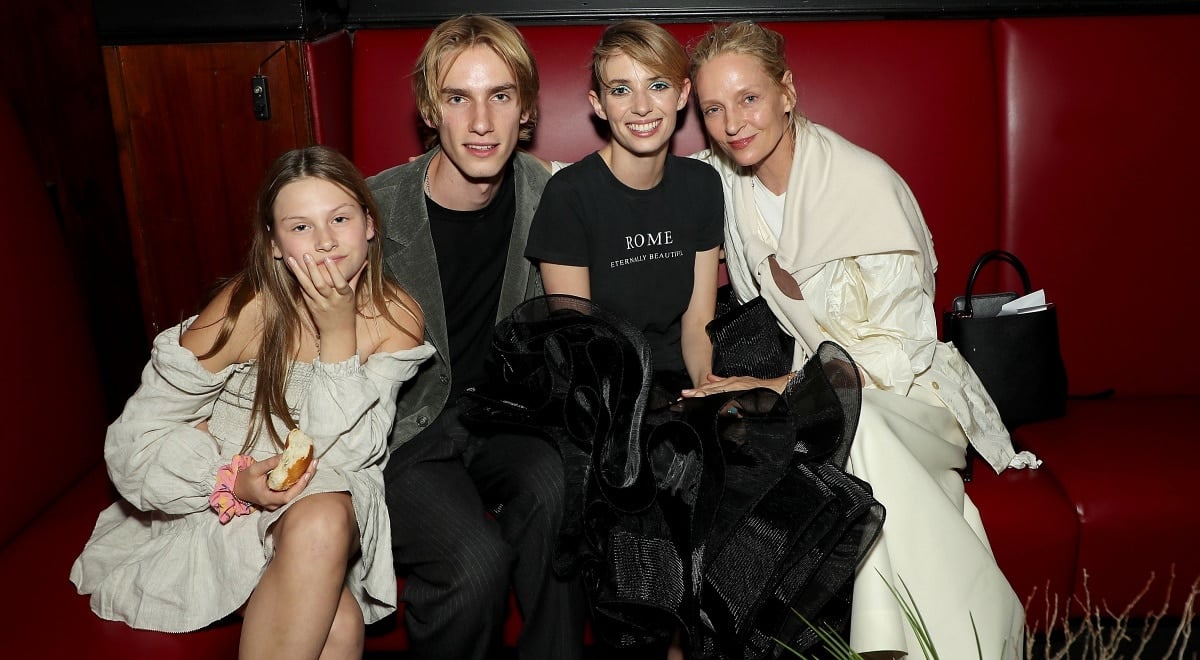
[[456, 35], [644, 42], [749, 38], [268, 280]]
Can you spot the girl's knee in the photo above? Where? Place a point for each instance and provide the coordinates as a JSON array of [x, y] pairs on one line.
[[321, 522]]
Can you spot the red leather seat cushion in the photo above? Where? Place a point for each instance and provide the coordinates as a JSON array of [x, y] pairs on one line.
[[1128, 464], [1033, 531], [36, 566], [54, 618]]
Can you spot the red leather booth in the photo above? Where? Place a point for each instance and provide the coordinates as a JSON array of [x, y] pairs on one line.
[[1072, 142], [1068, 141]]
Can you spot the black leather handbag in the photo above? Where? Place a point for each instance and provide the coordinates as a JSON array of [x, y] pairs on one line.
[[1017, 356]]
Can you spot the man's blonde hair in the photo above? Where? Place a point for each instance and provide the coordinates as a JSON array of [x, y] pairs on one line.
[[456, 35]]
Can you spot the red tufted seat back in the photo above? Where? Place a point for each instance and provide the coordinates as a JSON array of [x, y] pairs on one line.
[[1100, 196]]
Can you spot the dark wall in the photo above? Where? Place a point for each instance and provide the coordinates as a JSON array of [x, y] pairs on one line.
[[54, 76], [178, 21], [371, 13], [183, 21]]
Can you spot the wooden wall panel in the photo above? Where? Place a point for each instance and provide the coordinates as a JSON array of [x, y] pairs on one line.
[[193, 155]]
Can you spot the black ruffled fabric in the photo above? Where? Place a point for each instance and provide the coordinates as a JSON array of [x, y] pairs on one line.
[[722, 516]]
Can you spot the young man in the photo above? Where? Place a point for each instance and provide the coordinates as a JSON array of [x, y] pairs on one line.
[[454, 224]]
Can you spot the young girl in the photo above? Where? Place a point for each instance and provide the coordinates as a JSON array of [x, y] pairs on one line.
[[309, 335], [632, 227]]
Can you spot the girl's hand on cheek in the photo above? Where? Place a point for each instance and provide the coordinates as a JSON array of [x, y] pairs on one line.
[[329, 297]]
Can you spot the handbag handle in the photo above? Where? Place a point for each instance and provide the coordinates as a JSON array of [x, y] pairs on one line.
[[993, 255]]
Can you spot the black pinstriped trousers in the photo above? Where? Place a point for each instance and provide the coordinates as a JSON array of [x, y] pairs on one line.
[[458, 561]]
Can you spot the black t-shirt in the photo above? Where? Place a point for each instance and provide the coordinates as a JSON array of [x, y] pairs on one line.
[[639, 245], [472, 250]]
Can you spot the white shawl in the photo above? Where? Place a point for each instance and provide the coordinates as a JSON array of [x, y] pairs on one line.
[[844, 202], [837, 206]]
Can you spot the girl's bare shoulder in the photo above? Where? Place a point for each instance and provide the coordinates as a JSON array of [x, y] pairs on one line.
[[203, 335]]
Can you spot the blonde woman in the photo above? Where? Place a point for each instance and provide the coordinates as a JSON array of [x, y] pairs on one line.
[[833, 240]]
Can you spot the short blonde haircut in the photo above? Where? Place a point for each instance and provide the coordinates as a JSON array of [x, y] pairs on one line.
[[749, 38], [456, 35], [647, 44]]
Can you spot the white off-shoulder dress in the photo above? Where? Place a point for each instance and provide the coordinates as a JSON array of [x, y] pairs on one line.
[[159, 558]]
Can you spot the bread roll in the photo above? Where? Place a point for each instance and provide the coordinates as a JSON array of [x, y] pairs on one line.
[[297, 454]]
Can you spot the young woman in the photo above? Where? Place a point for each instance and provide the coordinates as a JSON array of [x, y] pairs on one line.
[[833, 240], [698, 529], [309, 335], [632, 227]]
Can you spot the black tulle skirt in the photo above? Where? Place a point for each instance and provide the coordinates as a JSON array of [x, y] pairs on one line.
[[728, 518]]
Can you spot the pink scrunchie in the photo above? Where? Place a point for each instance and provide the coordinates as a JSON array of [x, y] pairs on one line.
[[222, 499]]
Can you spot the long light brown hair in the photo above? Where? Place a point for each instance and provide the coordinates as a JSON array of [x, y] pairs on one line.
[[268, 280]]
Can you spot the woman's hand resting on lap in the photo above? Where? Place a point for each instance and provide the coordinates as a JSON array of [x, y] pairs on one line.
[[719, 384]]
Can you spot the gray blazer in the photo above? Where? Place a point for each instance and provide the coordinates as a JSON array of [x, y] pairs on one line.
[[409, 257]]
